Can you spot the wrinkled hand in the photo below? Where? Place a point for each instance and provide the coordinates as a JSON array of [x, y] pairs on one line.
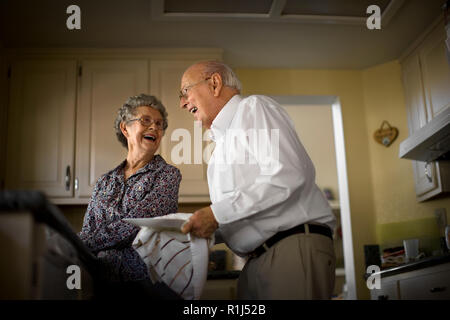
[[201, 224]]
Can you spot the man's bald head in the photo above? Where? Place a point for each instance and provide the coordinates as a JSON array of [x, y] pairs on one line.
[[205, 89], [207, 68]]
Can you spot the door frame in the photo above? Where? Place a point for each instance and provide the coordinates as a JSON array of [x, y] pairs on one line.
[[341, 164]]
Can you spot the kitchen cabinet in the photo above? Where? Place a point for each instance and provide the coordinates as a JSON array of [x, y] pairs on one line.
[[435, 71], [430, 283], [426, 81], [165, 83], [42, 153], [3, 114], [104, 87], [62, 106], [220, 289], [41, 126], [389, 290]]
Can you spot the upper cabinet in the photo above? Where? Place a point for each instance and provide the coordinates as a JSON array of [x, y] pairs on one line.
[[426, 81], [414, 95], [435, 71], [61, 113], [104, 87], [41, 126], [183, 143]]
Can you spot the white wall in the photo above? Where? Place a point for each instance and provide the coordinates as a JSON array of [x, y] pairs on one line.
[[314, 125]]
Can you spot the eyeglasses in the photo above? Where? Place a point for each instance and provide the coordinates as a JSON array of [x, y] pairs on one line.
[[147, 122], [185, 90]]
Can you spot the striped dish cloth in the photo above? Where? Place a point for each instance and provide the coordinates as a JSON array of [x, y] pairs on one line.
[[179, 260]]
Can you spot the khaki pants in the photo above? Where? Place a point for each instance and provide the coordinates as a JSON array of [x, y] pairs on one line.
[[301, 266]]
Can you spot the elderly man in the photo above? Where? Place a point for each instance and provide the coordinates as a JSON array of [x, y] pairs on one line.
[[270, 211]]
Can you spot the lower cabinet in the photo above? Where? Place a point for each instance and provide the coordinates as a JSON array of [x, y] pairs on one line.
[[432, 283], [431, 286], [220, 289], [389, 290]]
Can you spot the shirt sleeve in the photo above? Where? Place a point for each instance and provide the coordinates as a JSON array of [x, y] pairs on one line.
[[289, 167], [161, 199]]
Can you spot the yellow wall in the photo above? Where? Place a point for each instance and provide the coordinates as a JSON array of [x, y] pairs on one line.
[[397, 213]]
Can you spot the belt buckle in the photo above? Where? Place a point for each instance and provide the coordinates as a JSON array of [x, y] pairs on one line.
[[252, 255]]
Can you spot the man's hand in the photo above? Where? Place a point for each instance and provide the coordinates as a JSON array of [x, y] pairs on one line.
[[201, 224]]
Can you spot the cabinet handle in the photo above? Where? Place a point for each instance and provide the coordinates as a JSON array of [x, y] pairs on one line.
[[428, 172], [76, 184], [67, 178], [437, 289], [383, 297]]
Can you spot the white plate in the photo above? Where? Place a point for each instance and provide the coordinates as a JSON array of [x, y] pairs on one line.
[[168, 222]]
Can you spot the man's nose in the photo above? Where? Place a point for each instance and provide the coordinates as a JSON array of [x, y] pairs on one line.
[[183, 103]]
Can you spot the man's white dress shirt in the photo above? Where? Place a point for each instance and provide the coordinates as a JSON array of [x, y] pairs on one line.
[[260, 178]]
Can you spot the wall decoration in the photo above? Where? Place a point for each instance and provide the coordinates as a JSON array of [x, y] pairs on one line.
[[386, 135]]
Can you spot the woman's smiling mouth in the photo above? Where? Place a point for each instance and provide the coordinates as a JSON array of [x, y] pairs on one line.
[[150, 137]]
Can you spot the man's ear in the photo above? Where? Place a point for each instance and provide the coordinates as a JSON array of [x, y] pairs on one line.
[[123, 128], [217, 84]]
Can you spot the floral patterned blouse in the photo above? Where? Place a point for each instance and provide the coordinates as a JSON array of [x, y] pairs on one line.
[[152, 191]]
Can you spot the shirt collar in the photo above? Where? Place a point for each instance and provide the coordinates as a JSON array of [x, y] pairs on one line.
[[153, 165], [223, 119]]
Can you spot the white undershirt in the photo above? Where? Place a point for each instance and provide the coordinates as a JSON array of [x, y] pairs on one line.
[[252, 198]]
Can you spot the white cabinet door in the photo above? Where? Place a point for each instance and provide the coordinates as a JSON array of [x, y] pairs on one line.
[[165, 84], [426, 81], [431, 283], [424, 177], [414, 94], [435, 71], [388, 290], [424, 174], [104, 86], [40, 152]]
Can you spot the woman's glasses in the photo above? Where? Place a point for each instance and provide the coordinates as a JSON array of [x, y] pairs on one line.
[[148, 121]]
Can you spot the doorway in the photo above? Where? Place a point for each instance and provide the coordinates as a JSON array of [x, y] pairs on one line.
[[329, 115]]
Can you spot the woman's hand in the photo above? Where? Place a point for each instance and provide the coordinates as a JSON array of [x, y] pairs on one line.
[[202, 224]]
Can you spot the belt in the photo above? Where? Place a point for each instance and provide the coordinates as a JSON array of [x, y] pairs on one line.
[[313, 228]]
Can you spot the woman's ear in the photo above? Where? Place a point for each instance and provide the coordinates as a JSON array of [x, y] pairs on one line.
[[123, 128]]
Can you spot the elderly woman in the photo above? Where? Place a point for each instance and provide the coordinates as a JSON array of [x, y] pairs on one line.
[[142, 186]]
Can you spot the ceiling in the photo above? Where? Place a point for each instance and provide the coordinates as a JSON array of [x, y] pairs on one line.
[[253, 33]]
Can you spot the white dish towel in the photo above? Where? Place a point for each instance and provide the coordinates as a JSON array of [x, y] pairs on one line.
[[179, 260]]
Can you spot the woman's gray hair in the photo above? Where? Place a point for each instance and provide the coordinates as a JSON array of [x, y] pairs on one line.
[[229, 78], [128, 112]]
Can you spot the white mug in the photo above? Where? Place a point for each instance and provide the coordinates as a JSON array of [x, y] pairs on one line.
[[411, 249]]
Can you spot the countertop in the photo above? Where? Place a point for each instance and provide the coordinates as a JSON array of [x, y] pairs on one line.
[[420, 264], [223, 274]]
